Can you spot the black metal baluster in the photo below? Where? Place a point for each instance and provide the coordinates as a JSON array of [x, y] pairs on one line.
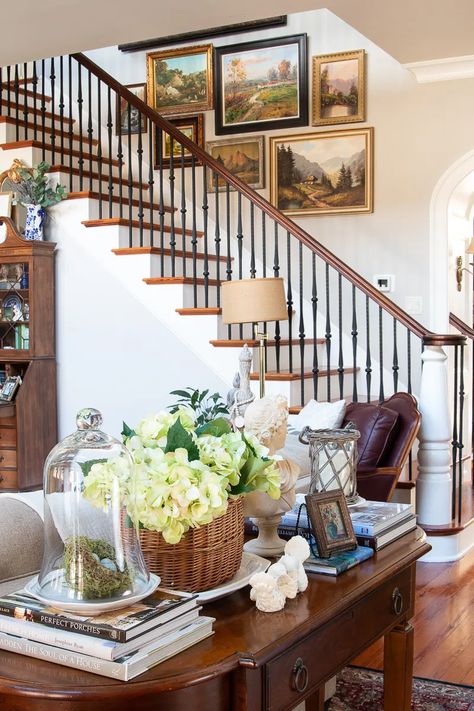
[[35, 108], [9, 89], [129, 174], [354, 334], [264, 244], [194, 230], [70, 131], [381, 388], [17, 108], [240, 238], [25, 100], [43, 110], [110, 124], [217, 241], [52, 78], [183, 210], [253, 270], [409, 361], [90, 131], [61, 108], [301, 333], [99, 146], [340, 364], [314, 307], [276, 273], [80, 101], [228, 269], [205, 216], [151, 181], [159, 139], [395, 367], [368, 361], [289, 299], [120, 158], [171, 179], [454, 441], [328, 336], [140, 179], [460, 438]]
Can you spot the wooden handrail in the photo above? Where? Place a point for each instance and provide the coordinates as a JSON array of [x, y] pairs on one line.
[[288, 225], [461, 326]]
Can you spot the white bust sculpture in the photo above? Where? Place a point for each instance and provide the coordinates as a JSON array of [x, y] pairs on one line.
[[267, 419]]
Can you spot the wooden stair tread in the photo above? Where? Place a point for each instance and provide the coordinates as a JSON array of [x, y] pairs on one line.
[[28, 124], [92, 195], [128, 251], [32, 110], [57, 149], [252, 342], [29, 92], [124, 222], [153, 281], [200, 311], [285, 375], [58, 168]]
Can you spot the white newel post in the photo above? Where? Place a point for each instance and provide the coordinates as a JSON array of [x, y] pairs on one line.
[[433, 485]]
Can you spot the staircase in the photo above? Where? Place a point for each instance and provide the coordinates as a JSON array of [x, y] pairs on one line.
[[166, 234]]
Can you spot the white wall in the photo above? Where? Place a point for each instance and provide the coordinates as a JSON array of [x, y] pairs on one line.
[[420, 130]]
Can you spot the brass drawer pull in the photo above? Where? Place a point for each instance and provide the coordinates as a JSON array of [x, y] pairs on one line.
[[2, 458], [397, 600], [300, 676], [1, 478]]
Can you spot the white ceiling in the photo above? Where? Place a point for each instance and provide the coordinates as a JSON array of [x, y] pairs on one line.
[[409, 30]]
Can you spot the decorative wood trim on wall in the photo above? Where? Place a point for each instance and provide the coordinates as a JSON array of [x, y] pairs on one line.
[[211, 32], [442, 69]]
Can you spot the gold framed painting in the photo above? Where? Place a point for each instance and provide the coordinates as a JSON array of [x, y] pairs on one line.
[[243, 157], [325, 173], [339, 88], [130, 122], [193, 128], [180, 80]]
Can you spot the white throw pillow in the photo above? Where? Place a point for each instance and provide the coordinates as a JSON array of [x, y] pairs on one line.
[[320, 415]]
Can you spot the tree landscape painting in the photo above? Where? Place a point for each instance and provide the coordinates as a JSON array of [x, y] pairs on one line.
[[339, 88], [242, 157], [180, 80], [260, 84], [323, 173]]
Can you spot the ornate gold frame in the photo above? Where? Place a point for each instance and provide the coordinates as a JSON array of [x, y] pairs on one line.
[[316, 108], [190, 107], [326, 547]]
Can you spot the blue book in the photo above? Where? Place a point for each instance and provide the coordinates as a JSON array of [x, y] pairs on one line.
[[339, 562]]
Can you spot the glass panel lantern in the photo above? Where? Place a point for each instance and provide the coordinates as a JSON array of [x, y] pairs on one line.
[[92, 555], [333, 460]]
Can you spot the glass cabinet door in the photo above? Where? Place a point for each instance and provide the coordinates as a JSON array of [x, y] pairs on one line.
[[14, 306]]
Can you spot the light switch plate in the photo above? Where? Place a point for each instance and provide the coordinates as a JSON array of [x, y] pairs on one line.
[[414, 305], [384, 282]]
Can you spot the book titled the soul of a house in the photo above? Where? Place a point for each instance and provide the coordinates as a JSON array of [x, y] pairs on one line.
[[118, 625], [125, 668]]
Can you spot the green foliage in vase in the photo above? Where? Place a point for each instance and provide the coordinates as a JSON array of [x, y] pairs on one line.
[[87, 575], [207, 407], [33, 188]]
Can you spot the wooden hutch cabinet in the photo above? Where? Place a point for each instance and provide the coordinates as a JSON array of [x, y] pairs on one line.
[[28, 423]]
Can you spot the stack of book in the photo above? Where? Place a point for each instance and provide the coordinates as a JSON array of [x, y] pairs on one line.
[[120, 644], [375, 523], [338, 562]]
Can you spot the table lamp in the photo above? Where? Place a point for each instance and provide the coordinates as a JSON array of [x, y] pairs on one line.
[[255, 301]]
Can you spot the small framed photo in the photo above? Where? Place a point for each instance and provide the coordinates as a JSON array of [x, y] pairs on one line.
[[193, 128], [130, 122], [180, 81], [339, 88], [244, 157], [331, 522], [9, 388]]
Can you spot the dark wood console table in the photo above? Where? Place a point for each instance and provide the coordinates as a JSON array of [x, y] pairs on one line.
[[255, 660]]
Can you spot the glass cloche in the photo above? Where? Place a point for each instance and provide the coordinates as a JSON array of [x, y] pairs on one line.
[[92, 558]]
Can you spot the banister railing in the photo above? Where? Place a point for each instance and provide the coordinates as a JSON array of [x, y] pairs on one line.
[[343, 338]]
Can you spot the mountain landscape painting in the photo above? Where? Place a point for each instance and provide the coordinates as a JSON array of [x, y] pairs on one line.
[[323, 173], [242, 157], [339, 88]]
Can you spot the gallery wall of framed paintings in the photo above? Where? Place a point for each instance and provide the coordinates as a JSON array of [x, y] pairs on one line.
[[265, 124]]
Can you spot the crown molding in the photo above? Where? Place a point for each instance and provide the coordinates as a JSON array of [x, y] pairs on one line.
[[442, 69]]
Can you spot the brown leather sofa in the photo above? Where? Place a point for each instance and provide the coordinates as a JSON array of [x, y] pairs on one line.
[[387, 434]]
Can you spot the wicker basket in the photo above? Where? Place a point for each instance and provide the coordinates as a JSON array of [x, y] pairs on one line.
[[204, 558]]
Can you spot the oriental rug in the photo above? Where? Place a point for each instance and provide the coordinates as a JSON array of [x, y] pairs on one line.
[[362, 690]]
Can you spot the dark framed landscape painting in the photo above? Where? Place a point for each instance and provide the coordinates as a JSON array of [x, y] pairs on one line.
[[339, 88], [243, 157], [322, 173], [193, 128], [180, 80], [130, 121], [261, 85]]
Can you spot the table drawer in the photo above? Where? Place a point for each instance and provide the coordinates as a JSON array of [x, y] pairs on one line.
[[7, 436], [8, 479], [293, 675], [7, 458]]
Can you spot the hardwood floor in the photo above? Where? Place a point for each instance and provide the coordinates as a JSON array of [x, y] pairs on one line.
[[444, 623]]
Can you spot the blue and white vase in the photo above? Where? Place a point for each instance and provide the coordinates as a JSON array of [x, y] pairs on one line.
[[34, 222]]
